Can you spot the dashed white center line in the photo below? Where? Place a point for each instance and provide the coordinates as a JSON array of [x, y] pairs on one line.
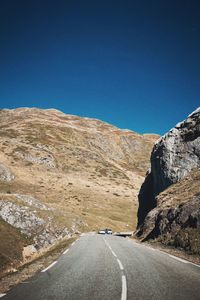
[[2, 295], [113, 253], [124, 284], [120, 265], [50, 266], [124, 288]]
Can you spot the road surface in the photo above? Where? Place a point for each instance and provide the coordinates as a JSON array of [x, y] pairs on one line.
[[102, 267]]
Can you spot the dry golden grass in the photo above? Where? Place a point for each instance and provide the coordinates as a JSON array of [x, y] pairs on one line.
[[11, 245], [182, 191]]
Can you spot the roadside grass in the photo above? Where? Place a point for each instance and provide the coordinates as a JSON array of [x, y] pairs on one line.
[[53, 251], [182, 191], [11, 245], [35, 264]]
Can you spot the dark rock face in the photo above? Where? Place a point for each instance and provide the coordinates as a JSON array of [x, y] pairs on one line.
[[146, 192], [178, 226], [173, 157]]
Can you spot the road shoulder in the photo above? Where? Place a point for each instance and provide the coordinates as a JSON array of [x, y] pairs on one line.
[[195, 259]]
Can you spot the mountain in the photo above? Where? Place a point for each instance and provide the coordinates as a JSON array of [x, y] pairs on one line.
[[169, 198], [61, 174]]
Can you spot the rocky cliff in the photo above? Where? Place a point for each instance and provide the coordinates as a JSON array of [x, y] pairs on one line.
[[175, 162], [61, 174]]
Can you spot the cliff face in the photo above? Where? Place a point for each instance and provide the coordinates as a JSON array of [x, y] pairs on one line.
[[175, 162], [61, 173]]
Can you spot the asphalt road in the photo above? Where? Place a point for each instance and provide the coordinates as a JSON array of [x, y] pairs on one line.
[[110, 268]]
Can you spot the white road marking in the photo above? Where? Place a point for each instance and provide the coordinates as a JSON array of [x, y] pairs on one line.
[[194, 264], [107, 244], [120, 265], [50, 266], [152, 248], [179, 259], [124, 284], [114, 254], [65, 251], [163, 252], [2, 295], [184, 261], [124, 288], [72, 244]]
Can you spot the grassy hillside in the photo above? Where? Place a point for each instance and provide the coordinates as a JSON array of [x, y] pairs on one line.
[[68, 174]]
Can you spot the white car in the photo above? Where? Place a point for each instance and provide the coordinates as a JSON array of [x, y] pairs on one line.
[[105, 231], [108, 231], [102, 231]]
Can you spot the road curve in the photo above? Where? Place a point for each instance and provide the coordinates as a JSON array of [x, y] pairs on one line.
[[111, 268]]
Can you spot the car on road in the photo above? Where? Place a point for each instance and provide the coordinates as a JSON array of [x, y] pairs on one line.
[[102, 231], [108, 231], [105, 231]]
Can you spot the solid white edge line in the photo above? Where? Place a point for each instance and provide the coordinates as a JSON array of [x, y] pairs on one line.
[[184, 261], [124, 288], [2, 295], [175, 257], [120, 265], [179, 259], [65, 252], [50, 266], [194, 264]]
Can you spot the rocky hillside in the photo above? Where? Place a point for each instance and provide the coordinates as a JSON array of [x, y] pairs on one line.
[[61, 174], [169, 199]]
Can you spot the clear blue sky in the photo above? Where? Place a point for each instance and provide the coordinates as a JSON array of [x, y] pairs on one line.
[[135, 64]]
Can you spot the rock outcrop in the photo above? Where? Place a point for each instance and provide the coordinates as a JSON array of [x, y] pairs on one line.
[[5, 173], [165, 211]]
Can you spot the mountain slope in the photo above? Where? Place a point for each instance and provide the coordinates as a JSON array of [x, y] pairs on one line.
[[61, 173]]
